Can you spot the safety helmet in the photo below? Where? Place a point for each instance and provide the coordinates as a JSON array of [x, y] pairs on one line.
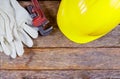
[[83, 21]]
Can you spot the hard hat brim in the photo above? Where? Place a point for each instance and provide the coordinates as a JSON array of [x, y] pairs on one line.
[[79, 38]]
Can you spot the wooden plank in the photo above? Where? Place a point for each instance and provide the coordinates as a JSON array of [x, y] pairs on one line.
[[78, 74], [57, 39], [64, 58]]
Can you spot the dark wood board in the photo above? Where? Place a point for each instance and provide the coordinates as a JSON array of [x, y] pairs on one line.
[[71, 74]]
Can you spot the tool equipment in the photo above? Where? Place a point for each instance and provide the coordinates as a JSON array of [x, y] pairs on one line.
[[39, 19]]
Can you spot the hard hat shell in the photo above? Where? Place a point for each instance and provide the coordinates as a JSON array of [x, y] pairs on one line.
[[83, 21]]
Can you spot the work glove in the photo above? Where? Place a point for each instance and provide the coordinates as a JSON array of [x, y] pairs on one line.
[[17, 28], [24, 22], [6, 46], [3, 37], [10, 41]]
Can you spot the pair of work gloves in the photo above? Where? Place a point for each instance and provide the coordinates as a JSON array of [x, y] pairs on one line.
[[15, 28]]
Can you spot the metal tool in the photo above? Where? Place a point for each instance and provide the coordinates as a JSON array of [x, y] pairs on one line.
[[39, 19]]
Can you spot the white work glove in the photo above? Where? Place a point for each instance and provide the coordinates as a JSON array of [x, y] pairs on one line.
[[24, 21], [8, 47], [15, 28], [3, 37], [10, 42]]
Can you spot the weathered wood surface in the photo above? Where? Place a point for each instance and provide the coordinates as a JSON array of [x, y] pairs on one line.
[[64, 58], [57, 39], [79, 74], [59, 58]]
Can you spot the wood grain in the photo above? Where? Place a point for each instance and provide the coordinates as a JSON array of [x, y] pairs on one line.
[[64, 58], [56, 57], [79, 74], [57, 39]]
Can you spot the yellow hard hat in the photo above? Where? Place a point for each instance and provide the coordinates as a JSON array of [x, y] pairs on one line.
[[83, 21]]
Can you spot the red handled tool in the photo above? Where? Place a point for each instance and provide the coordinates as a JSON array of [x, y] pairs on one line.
[[39, 19]]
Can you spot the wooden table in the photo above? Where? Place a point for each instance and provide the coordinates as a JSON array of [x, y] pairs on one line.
[[56, 57]]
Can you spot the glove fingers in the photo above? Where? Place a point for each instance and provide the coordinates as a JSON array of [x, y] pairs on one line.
[[19, 47], [7, 29], [32, 32], [6, 26], [5, 47], [13, 54], [25, 38], [18, 43], [20, 12], [1, 50]]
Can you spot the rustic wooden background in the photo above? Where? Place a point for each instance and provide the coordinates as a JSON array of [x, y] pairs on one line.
[[56, 57]]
